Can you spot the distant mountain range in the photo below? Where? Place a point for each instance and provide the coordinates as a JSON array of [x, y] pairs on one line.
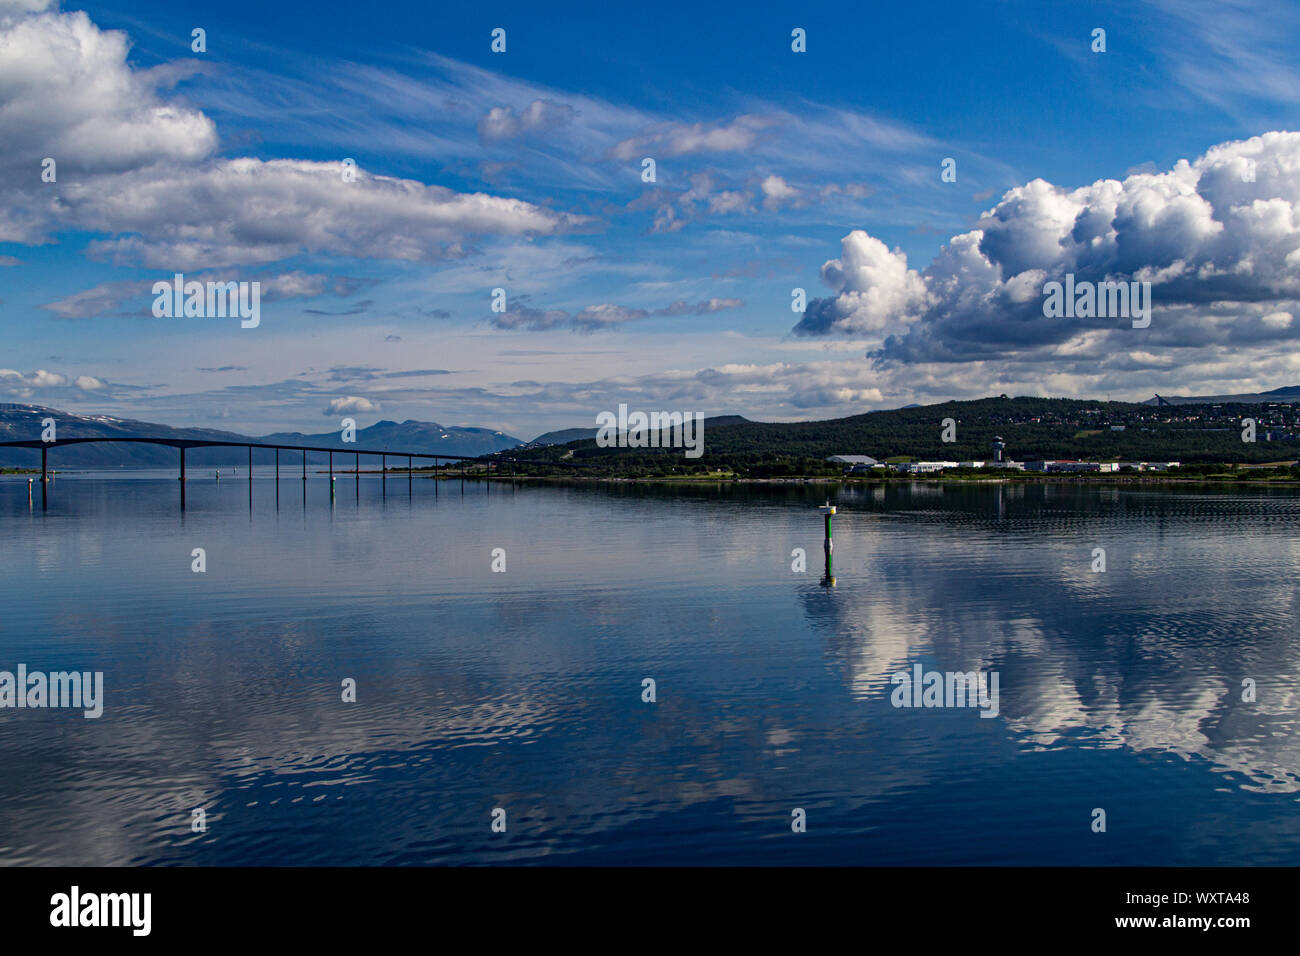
[[409, 435], [561, 437], [18, 422], [1033, 427], [566, 435], [1288, 394]]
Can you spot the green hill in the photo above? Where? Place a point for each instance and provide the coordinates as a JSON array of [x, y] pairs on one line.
[[1033, 428]]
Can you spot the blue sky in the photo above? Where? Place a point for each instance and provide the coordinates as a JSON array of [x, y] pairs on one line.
[[522, 170]]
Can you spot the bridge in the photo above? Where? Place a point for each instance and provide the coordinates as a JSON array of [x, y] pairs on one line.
[[182, 444]]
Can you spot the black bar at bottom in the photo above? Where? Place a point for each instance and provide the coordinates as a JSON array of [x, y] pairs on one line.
[[947, 909]]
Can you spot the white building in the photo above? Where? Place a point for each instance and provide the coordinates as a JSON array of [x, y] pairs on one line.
[[923, 467], [1075, 467], [1083, 466], [856, 464]]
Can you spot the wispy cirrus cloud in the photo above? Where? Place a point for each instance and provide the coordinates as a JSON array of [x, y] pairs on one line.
[[672, 139], [1232, 55], [603, 316], [549, 140], [111, 298]]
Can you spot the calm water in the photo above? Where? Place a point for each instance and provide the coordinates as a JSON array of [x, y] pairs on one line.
[[522, 690]]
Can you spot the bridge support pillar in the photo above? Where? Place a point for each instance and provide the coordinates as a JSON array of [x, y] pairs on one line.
[[182, 478], [383, 475], [45, 480]]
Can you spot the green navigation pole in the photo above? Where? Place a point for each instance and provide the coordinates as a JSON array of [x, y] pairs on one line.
[[828, 510]]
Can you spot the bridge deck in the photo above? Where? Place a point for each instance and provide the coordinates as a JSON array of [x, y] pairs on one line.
[[204, 443], [183, 444]]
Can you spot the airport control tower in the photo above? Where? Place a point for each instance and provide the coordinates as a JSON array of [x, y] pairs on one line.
[[998, 445]]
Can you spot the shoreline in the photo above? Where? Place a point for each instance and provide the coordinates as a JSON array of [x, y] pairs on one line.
[[871, 482], [1018, 478]]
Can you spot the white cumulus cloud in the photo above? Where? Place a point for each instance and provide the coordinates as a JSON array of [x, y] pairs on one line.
[[1218, 237], [143, 171], [351, 403]]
